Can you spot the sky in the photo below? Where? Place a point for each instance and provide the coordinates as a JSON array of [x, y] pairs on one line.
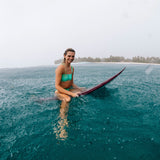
[[37, 32]]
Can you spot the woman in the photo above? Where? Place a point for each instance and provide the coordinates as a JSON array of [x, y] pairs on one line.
[[64, 78]]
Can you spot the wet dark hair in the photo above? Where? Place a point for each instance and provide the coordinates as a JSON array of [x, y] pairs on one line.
[[68, 50]]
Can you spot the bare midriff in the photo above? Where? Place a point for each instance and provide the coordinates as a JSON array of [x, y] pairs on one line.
[[66, 84]]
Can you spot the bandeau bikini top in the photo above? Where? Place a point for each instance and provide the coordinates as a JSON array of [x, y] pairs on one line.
[[67, 77]]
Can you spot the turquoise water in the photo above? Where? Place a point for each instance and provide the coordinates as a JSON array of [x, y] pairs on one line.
[[120, 121]]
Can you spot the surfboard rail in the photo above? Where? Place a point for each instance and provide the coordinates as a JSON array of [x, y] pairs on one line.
[[101, 84]]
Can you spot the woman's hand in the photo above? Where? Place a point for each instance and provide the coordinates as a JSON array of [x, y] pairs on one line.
[[75, 94]]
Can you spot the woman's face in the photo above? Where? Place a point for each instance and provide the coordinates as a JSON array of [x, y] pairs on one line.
[[69, 57]]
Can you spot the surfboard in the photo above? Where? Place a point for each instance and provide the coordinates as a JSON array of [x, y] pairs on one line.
[[101, 84], [88, 91]]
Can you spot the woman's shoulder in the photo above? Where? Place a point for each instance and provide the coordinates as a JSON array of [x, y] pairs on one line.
[[61, 68], [61, 65]]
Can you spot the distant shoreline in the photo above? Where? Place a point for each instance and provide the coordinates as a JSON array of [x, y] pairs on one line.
[[74, 63], [127, 63], [116, 59]]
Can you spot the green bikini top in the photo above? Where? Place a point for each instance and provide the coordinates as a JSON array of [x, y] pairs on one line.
[[67, 77]]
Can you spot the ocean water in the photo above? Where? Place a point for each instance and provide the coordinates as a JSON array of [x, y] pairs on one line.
[[120, 121]]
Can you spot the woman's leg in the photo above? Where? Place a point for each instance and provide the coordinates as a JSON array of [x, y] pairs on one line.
[[63, 97]]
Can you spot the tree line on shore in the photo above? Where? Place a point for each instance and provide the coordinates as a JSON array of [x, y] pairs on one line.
[[137, 59]]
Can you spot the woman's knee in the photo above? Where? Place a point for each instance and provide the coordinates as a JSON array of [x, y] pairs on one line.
[[67, 99], [63, 97]]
